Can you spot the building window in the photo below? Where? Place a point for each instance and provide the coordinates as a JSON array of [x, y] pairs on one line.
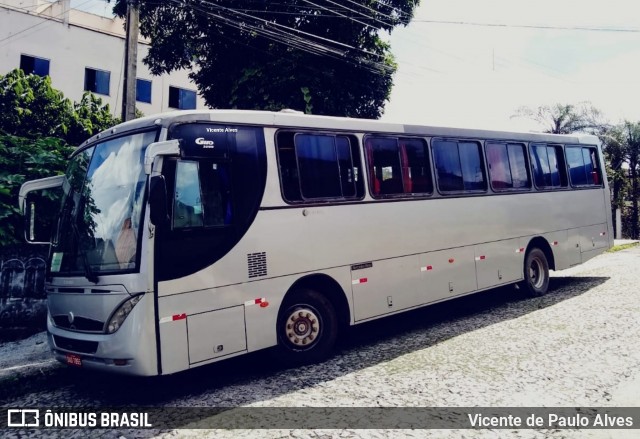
[[459, 166], [32, 64], [96, 81], [548, 166], [583, 166], [182, 99], [143, 91], [319, 166], [507, 166], [398, 166]]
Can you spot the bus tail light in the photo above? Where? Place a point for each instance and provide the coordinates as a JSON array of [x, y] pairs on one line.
[[121, 314]]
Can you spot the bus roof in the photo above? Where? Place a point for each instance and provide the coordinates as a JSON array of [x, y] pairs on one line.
[[295, 119]]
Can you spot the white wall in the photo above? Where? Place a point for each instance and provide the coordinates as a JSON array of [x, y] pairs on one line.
[[99, 45]]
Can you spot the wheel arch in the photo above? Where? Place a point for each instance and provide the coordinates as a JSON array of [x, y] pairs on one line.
[[543, 245], [328, 287]]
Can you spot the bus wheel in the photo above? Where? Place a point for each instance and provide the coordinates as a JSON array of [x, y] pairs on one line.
[[536, 273], [307, 327]]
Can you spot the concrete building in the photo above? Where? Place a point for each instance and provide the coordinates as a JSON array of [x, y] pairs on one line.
[[84, 52]]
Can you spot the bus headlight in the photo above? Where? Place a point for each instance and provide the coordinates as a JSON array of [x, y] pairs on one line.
[[118, 317]]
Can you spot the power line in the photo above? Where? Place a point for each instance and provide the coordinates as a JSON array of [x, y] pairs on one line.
[[530, 26], [47, 20], [337, 13], [282, 34]]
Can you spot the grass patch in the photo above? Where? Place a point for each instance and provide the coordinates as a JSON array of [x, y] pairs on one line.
[[617, 248]]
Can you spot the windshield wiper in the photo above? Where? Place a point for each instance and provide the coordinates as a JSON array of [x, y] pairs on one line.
[[88, 271]]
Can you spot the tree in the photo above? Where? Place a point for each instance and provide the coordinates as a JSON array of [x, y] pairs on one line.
[[298, 54], [30, 107], [565, 118], [631, 133], [37, 127], [23, 159]]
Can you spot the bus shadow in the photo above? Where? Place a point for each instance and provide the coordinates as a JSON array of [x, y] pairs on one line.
[[258, 376]]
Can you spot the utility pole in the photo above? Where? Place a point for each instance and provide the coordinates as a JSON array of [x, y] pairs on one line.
[[131, 61]]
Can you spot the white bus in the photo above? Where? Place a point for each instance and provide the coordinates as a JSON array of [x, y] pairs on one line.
[[191, 237]]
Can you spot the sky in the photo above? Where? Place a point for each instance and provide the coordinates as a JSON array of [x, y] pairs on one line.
[[474, 75], [477, 76]]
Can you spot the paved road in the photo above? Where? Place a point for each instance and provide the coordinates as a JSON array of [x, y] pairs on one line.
[[576, 346]]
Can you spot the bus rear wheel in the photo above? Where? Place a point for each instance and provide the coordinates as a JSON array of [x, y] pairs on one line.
[[307, 327], [536, 273]]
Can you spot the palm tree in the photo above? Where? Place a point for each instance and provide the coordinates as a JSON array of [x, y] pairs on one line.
[[565, 118]]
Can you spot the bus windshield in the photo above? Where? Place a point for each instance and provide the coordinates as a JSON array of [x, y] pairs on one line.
[[98, 226]]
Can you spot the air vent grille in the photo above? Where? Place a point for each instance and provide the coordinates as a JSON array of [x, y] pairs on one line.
[[257, 263]]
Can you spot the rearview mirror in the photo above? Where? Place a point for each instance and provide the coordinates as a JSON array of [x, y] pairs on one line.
[[40, 214], [39, 202], [159, 213]]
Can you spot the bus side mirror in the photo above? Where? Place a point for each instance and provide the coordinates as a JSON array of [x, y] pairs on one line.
[[159, 213], [40, 214], [39, 202]]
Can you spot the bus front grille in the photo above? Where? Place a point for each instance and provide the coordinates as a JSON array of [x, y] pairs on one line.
[[82, 346], [79, 324]]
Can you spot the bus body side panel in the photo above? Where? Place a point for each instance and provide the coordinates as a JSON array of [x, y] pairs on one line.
[[498, 263], [299, 241], [173, 344], [216, 334], [572, 254], [216, 323]]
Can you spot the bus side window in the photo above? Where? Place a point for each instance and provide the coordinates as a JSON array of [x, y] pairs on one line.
[[202, 196], [416, 170], [384, 165], [317, 167], [582, 164], [507, 166], [216, 193], [459, 166], [548, 165], [187, 200], [398, 166]]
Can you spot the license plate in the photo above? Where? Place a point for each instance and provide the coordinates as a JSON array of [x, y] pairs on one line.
[[74, 360]]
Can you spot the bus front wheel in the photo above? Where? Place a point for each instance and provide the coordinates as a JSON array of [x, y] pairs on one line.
[[307, 327], [536, 273]]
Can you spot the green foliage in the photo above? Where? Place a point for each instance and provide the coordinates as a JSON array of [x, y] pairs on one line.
[[37, 125], [23, 159], [618, 248], [307, 100], [621, 145], [613, 144], [30, 107], [631, 135], [88, 117], [260, 55]]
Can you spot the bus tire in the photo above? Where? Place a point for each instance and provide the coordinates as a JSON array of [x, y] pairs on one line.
[[536, 273], [307, 328]]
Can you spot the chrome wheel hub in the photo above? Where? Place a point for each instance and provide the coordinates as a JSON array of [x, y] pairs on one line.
[[302, 327], [535, 273]]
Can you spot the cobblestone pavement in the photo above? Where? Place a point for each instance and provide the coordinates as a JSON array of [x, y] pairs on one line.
[[576, 346]]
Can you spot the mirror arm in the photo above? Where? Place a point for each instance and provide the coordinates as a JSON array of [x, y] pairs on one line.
[[169, 147], [36, 185]]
